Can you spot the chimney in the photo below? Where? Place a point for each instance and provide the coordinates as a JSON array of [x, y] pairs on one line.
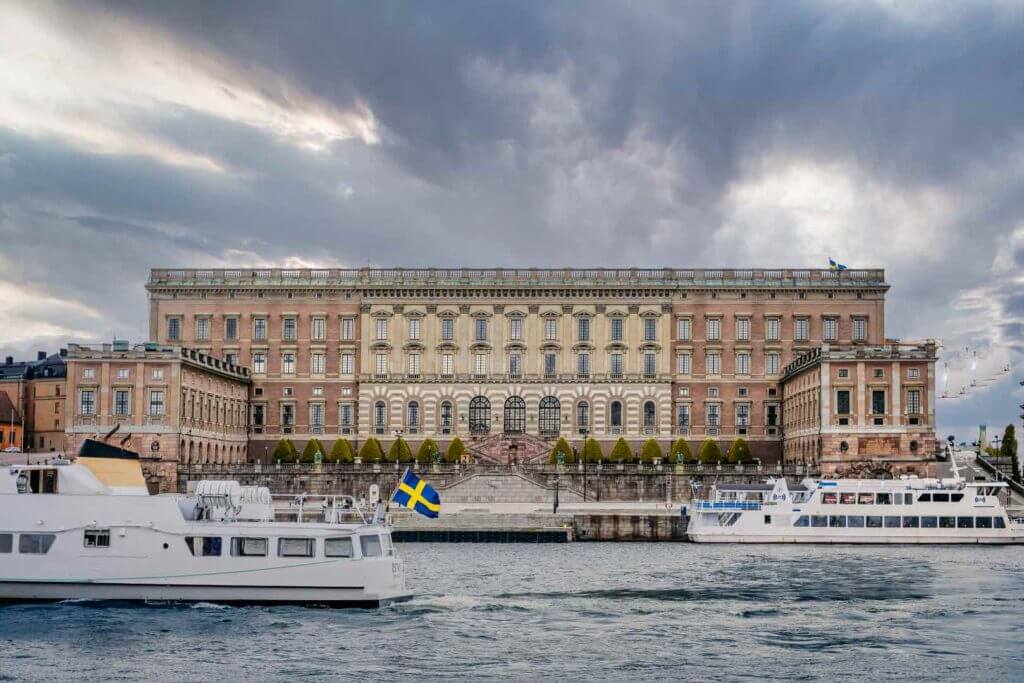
[[9, 360], [40, 355]]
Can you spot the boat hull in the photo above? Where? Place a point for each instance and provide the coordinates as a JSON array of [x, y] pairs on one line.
[[848, 540]]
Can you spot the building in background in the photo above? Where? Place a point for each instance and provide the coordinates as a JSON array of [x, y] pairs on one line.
[[170, 404], [11, 424], [37, 389], [510, 359]]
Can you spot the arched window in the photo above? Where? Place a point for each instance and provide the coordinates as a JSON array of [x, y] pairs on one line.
[[582, 417], [616, 417], [412, 417], [446, 417], [479, 415], [380, 414], [650, 415], [549, 415], [515, 415]]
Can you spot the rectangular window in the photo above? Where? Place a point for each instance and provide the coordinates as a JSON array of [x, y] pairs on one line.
[[616, 364], [123, 373], [650, 329], [830, 329], [929, 522], [382, 329], [347, 363], [892, 522], [316, 415], [583, 363], [158, 375], [231, 328], [289, 331], [551, 328], [318, 363], [743, 363], [480, 364], [771, 329], [249, 547], [550, 364], [288, 363], [35, 544], [883, 499], [913, 373], [414, 363], [714, 364], [683, 330], [583, 329], [650, 364], [772, 363], [259, 329], [743, 329], [447, 329], [231, 358], [447, 364], [87, 402], [743, 415], [616, 329], [174, 329], [288, 415], [683, 361], [96, 538], [877, 402], [860, 329], [259, 363], [515, 364], [370, 546], [683, 416], [844, 373], [381, 366], [829, 498], [515, 329], [348, 329], [6, 543], [843, 402], [202, 328], [295, 547], [855, 521], [319, 329], [156, 402], [414, 328], [338, 547], [713, 414], [121, 402], [480, 329], [714, 329], [801, 329], [346, 414], [914, 401]]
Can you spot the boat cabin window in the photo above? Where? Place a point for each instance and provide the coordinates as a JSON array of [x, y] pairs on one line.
[[802, 521], [965, 522], [911, 522], [819, 520], [829, 498], [855, 521], [892, 522], [947, 522], [874, 522], [908, 498], [848, 498], [956, 497], [338, 547], [35, 544], [999, 522], [295, 547], [248, 547], [929, 522], [884, 499], [837, 521], [6, 543], [370, 545], [940, 497], [389, 549], [204, 546], [38, 481], [97, 538], [801, 496], [865, 498], [924, 498], [983, 522]]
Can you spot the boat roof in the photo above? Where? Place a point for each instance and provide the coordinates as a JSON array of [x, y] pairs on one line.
[[757, 487]]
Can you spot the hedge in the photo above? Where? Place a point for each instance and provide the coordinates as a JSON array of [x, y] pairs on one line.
[[592, 451], [455, 450], [680, 447], [710, 452], [341, 451], [650, 451], [399, 451], [371, 451], [310, 451], [739, 451], [562, 446], [621, 452], [425, 453], [285, 451]]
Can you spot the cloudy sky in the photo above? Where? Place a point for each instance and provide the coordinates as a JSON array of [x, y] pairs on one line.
[[885, 134]]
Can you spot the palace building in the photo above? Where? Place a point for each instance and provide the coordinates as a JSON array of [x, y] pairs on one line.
[[510, 359]]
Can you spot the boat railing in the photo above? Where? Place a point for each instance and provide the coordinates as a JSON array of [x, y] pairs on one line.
[[725, 505], [333, 508]]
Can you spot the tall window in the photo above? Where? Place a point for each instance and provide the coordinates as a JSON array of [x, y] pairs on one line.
[[348, 329], [743, 415], [347, 363], [683, 417], [345, 415], [550, 364], [231, 328], [616, 364], [683, 329], [87, 402], [288, 417], [515, 415], [121, 402], [318, 363], [843, 402], [860, 329], [743, 363], [801, 329], [381, 366], [174, 329], [829, 329], [259, 363], [772, 363], [714, 364], [713, 414], [551, 329], [515, 329], [319, 329], [582, 416], [156, 402], [650, 415], [414, 363], [549, 415], [316, 416], [714, 329], [479, 415], [515, 364], [914, 401], [683, 362], [380, 416], [878, 402], [583, 363], [650, 329], [616, 329], [447, 329], [743, 329], [616, 416], [480, 328], [202, 328], [446, 416], [288, 363], [650, 364], [290, 329], [771, 329], [480, 364], [259, 329], [414, 328], [583, 329], [412, 417], [447, 364], [382, 329], [231, 358]]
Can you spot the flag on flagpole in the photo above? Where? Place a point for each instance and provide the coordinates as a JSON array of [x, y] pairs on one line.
[[418, 495], [833, 265]]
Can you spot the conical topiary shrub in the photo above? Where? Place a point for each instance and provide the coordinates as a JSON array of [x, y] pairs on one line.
[[399, 451], [425, 453], [592, 451], [313, 446], [680, 451], [710, 452], [561, 447], [341, 451], [739, 451], [621, 452], [650, 452], [455, 450], [284, 451], [371, 451]]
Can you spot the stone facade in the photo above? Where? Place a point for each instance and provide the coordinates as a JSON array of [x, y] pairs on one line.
[[38, 390], [438, 352]]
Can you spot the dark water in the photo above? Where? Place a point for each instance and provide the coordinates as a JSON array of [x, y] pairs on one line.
[[608, 611]]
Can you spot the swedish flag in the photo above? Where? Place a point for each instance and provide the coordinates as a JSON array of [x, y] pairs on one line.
[[418, 495], [834, 265]]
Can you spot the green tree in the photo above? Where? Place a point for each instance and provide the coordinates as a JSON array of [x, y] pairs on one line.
[[739, 451], [399, 451], [425, 453], [341, 451], [592, 451], [680, 451], [1008, 449], [371, 451], [650, 451], [710, 452], [621, 452], [284, 451], [561, 446], [310, 451], [455, 450]]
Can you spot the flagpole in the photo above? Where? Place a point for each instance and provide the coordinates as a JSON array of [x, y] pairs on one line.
[[387, 506]]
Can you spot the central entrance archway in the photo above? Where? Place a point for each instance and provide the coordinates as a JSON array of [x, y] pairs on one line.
[[515, 415]]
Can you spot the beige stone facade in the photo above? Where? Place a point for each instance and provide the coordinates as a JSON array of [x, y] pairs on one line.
[[476, 352], [169, 404]]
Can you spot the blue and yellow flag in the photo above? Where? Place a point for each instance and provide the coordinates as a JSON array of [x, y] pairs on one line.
[[418, 495], [834, 265]]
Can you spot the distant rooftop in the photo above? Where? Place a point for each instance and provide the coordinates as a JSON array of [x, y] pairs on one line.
[[123, 350], [892, 350]]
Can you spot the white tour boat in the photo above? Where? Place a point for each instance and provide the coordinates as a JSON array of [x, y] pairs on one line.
[[88, 529], [905, 510]]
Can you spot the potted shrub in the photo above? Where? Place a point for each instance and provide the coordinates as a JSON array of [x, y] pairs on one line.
[[372, 453], [561, 453], [650, 452], [341, 451], [621, 454], [710, 453]]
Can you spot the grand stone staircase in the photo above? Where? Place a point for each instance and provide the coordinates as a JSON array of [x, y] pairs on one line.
[[506, 448], [505, 487]]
